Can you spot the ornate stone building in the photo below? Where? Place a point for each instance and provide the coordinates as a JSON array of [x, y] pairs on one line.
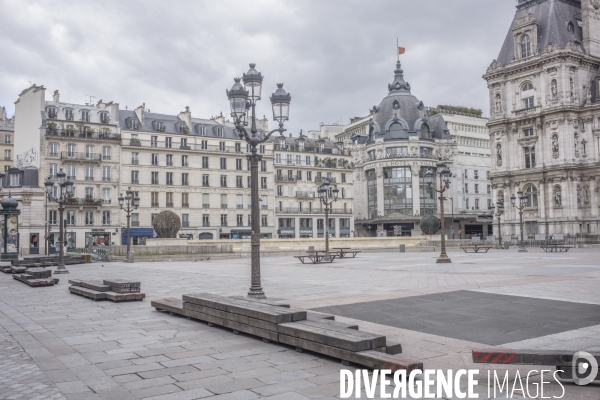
[[545, 117], [7, 127], [392, 157]]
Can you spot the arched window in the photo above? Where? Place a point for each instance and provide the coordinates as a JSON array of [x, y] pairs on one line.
[[370, 134], [527, 86], [525, 46], [532, 196]]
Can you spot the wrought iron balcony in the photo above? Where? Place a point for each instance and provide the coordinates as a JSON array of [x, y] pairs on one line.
[[75, 133], [305, 210], [306, 195], [83, 157]]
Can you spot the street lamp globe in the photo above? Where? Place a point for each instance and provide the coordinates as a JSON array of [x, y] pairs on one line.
[[281, 104], [136, 202], [238, 99], [335, 191], [61, 177], [121, 200], [513, 199], [49, 184], [253, 83]]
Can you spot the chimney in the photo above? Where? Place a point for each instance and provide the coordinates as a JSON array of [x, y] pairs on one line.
[[140, 112], [56, 97], [186, 116], [3, 114], [220, 119]]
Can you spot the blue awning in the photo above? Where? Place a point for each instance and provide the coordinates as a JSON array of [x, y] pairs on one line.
[[142, 232]]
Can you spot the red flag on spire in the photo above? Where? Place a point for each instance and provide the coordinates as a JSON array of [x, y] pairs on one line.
[[401, 50]]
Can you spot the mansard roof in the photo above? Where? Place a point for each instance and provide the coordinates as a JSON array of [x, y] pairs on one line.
[[553, 17]]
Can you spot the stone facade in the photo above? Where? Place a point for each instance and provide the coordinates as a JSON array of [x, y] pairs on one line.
[[301, 165], [545, 117], [392, 158], [7, 128]]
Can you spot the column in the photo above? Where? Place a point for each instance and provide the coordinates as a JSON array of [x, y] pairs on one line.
[[416, 190], [380, 193]]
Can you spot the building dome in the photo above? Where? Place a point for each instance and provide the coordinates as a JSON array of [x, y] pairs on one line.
[[400, 114]]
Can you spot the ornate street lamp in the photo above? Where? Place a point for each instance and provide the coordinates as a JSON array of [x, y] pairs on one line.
[[64, 194], [523, 202], [242, 99], [499, 213], [128, 204], [327, 198], [444, 174]]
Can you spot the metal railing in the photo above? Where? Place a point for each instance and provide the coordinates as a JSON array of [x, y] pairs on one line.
[[83, 135], [192, 147], [305, 195], [297, 210], [77, 156], [585, 239]]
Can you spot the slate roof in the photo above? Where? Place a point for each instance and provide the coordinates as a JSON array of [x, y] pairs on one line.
[[553, 17], [171, 122]]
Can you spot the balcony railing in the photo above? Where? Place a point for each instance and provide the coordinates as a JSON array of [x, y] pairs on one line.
[[106, 179], [282, 178], [86, 201], [7, 158], [82, 135], [185, 224], [154, 205], [320, 179], [206, 224], [307, 149], [170, 205], [205, 205], [135, 162], [92, 157], [104, 201], [239, 206], [89, 178], [296, 210], [135, 223], [192, 147], [185, 205], [135, 181], [224, 206], [306, 195]]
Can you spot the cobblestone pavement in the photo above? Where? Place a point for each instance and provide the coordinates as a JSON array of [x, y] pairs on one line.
[[105, 350], [20, 377]]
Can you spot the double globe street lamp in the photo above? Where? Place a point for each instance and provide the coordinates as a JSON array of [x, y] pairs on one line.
[[327, 196], [242, 99], [444, 174], [523, 202], [499, 212], [65, 193], [128, 204]]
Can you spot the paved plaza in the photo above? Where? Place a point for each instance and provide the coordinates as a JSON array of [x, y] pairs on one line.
[[55, 345]]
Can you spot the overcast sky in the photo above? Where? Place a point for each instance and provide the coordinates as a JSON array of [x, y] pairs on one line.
[[335, 57]]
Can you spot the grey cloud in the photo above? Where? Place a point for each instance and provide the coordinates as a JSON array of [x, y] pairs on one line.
[[336, 57]]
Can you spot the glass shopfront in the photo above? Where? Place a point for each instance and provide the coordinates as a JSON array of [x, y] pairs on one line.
[[34, 243], [372, 193], [397, 189], [428, 195], [93, 239]]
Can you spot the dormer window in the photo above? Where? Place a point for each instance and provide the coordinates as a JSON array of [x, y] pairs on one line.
[[69, 114], [104, 118], [52, 112], [301, 144], [182, 128], [85, 116], [218, 131], [160, 126], [131, 123], [571, 27], [525, 46], [425, 134], [201, 130], [321, 146]]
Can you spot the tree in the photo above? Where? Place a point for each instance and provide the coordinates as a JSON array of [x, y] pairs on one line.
[[167, 224]]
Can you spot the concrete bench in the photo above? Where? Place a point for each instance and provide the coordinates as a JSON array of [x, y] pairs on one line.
[[115, 290], [318, 258], [474, 248], [344, 251], [303, 330], [562, 359]]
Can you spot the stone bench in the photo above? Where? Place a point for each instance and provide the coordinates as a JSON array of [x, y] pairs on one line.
[[34, 276], [281, 323], [474, 248], [116, 290]]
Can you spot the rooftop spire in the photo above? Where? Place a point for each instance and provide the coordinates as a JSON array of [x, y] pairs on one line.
[[399, 85]]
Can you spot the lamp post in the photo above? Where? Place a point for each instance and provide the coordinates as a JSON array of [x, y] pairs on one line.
[[128, 204], [327, 199], [452, 224], [64, 194], [499, 212], [444, 174], [523, 202], [242, 99]]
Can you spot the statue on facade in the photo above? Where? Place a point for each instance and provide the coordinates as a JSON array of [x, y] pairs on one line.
[[499, 154], [554, 89], [579, 200], [557, 197], [555, 150], [498, 103], [576, 136]]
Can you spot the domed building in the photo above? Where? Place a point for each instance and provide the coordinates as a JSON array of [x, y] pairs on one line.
[[402, 143]]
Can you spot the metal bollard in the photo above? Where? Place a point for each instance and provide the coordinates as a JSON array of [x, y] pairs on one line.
[[402, 248]]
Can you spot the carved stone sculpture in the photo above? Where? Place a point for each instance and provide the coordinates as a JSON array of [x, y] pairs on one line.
[[499, 154], [557, 196], [555, 147]]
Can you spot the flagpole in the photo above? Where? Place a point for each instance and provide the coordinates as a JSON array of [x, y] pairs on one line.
[[398, 48]]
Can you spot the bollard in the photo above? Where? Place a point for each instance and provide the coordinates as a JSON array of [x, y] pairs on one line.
[[402, 248], [505, 245]]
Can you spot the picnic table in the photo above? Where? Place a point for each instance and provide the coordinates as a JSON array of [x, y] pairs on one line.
[[476, 247], [343, 251], [318, 257], [556, 247]]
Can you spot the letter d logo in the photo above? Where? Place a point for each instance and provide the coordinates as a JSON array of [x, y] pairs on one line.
[[585, 368]]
